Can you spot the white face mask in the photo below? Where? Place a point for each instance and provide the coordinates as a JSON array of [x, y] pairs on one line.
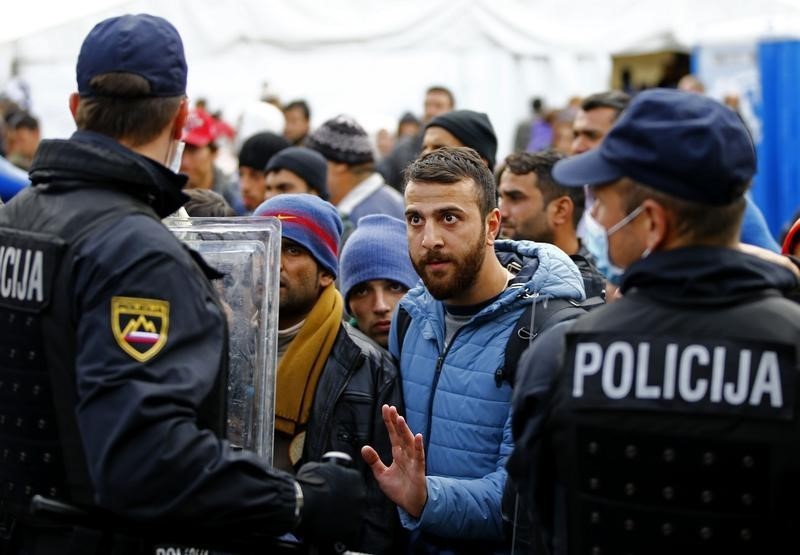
[[175, 156], [596, 239]]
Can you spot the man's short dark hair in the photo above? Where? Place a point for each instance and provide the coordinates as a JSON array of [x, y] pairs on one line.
[[122, 109], [449, 165], [699, 224], [616, 100], [443, 90], [301, 105], [541, 164], [205, 203]]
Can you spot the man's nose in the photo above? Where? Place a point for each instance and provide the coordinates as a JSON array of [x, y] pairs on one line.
[[431, 237], [381, 305]]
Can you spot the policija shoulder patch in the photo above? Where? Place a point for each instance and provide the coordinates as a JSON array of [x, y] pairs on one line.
[[140, 325]]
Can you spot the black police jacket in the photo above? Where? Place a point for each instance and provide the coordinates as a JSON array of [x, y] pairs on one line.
[[149, 344], [358, 379], [667, 421]]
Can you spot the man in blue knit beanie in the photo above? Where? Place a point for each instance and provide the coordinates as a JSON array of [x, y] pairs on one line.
[[376, 272]]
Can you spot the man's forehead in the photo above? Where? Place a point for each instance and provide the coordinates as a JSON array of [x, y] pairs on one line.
[[441, 135], [432, 198], [435, 196], [286, 242], [282, 175], [601, 116], [515, 181], [437, 95]]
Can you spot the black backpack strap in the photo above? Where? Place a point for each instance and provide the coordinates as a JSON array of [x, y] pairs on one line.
[[546, 315], [593, 302]]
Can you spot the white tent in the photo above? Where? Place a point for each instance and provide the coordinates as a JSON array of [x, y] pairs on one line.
[[374, 59]]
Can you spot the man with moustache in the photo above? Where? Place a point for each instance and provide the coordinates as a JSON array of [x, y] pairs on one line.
[[448, 479]]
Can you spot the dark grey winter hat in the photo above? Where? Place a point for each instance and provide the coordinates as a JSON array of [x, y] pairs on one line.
[[342, 139]]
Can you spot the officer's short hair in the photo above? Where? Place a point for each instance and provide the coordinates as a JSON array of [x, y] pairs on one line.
[[541, 164], [698, 223], [121, 109], [448, 165]]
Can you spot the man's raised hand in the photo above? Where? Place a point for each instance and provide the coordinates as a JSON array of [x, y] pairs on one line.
[[404, 480]]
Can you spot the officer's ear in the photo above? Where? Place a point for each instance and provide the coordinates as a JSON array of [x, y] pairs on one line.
[[658, 225], [74, 100], [180, 119]]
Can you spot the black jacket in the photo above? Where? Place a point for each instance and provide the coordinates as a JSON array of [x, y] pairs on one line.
[[685, 439], [593, 281], [149, 428], [358, 379]]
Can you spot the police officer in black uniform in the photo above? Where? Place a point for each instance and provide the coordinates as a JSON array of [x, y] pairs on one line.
[[667, 422], [113, 344]]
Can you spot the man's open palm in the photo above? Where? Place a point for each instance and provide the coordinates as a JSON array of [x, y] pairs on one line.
[[404, 481]]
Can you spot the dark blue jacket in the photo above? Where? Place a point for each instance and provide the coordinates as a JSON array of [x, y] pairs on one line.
[[150, 428], [698, 295]]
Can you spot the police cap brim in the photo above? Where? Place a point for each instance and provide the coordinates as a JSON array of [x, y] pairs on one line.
[[588, 168]]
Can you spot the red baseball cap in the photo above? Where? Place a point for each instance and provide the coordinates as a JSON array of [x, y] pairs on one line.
[[200, 129]]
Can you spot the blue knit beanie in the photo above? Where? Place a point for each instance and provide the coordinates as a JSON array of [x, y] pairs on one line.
[[309, 221], [377, 249]]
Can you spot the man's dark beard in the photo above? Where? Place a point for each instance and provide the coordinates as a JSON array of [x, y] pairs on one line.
[[294, 308], [297, 303], [466, 271], [542, 235]]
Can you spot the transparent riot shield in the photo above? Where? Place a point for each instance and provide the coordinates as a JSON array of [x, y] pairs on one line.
[[247, 251]]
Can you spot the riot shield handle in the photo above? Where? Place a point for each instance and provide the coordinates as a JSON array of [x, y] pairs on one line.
[[50, 508]]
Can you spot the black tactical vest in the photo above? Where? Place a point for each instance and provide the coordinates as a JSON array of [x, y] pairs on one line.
[[40, 447], [675, 430], [31, 459]]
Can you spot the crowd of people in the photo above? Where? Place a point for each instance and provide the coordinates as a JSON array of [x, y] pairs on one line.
[[587, 346]]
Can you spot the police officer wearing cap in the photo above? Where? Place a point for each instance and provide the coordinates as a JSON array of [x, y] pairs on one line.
[[667, 422], [113, 344]]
